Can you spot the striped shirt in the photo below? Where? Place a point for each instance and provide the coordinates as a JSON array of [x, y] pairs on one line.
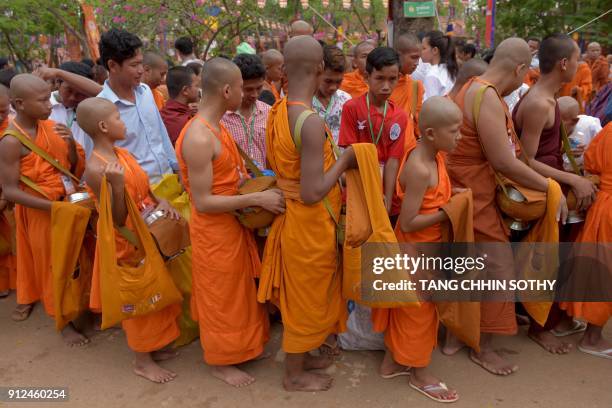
[[250, 133]]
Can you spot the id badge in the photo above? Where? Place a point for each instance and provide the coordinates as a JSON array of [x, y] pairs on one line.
[[68, 184]]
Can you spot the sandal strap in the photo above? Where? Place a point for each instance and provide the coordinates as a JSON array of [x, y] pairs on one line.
[[435, 387]]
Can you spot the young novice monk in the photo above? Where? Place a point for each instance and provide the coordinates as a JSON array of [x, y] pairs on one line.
[[146, 335], [233, 325], [30, 97], [273, 60], [354, 82], [411, 332]]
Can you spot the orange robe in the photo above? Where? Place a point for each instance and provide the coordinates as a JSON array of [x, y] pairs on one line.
[[158, 96], [582, 80], [301, 271], [468, 168], [354, 84], [600, 72], [403, 96], [155, 330], [411, 332], [598, 223], [8, 273], [234, 327], [532, 76], [273, 89], [33, 227]]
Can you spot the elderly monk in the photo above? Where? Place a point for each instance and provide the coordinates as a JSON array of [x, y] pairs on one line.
[[301, 261], [146, 335], [354, 82], [600, 69], [538, 123], [597, 229], [411, 332], [273, 60], [30, 98], [300, 27], [234, 327], [409, 49], [484, 148]]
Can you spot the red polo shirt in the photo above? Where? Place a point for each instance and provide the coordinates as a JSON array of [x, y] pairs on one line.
[[355, 128]]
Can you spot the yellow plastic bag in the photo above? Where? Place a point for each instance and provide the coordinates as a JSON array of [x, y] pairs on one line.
[[171, 190], [130, 291]]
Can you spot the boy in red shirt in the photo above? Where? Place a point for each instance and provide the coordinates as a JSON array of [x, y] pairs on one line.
[[373, 118]]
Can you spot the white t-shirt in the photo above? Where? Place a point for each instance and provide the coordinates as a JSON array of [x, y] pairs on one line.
[[437, 82], [421, 70], [512, 99], [585, 131], [67, 116]]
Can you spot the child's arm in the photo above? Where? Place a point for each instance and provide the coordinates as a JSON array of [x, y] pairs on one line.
[[114, 173], [415, 185]]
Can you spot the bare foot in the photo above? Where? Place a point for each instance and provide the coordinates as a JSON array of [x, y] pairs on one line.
[[306, 381], [431, 386], [164, 354], [144, 366], [493, 362], [550, 343], [72, 337], [317, 362], [451, 344], [22, 312], [390, 369], [233, 376]]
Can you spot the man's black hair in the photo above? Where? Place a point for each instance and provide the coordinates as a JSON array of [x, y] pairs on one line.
[[536, 39], [553, 49], [118, 45], [251, 66], [78, 68], [184, 45], [3, 62], [88, 61], [6, 75], [176, 79], [469, 49], [267, 97], [196, 67], [381, 57]]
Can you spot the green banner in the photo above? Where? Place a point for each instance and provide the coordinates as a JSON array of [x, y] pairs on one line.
[[417, 9]]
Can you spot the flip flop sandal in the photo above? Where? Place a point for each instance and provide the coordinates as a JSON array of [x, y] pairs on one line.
[[577, 327], [430, 389], [405, 371], [330, 349], [22, 314], [601, 353]]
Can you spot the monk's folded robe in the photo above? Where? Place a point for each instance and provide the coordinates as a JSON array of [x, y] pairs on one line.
[[405, 97], [234, 327], [354, 84], [468, 167], [301, 272], [597, 229], [33, 227], [155, 330]]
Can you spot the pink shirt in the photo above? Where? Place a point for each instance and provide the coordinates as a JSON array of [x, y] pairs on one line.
[[250, 133]]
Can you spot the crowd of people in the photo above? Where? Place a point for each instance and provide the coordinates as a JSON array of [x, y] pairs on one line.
[[422, 132]]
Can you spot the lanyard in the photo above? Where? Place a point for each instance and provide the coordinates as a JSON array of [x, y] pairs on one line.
[[382, 125], [250, 134], [329, 105], [70, 116]]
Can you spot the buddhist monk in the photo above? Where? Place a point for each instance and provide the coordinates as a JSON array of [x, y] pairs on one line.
[[273, 60], [354, 82], [580, 87], [300, 27], [469, 69], [146, 335], [409, 49], [538, 123], [7, 261], [233, 325], [411, 333], [155, 70], [484, 148], [600, 69], [30, 98], [597, 160], [302, 275]]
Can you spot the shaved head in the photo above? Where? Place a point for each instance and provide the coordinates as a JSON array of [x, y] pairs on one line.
[[407, 42], [272, 57], [153, 59], [300, 27], [569, 107], [303, 55], [438, 111], [471, 68], [26, 85], [594, 45], [4, 103], [510, 53], [364, 46], [222, 83], [91, 112]]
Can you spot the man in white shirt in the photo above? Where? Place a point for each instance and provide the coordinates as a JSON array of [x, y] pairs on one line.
[[581, 129]]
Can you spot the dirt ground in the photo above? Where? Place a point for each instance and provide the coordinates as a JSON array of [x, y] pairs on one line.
[[99, 375]]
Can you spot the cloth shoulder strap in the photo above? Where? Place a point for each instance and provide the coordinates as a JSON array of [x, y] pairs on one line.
[[29, 144], [249, 163]]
